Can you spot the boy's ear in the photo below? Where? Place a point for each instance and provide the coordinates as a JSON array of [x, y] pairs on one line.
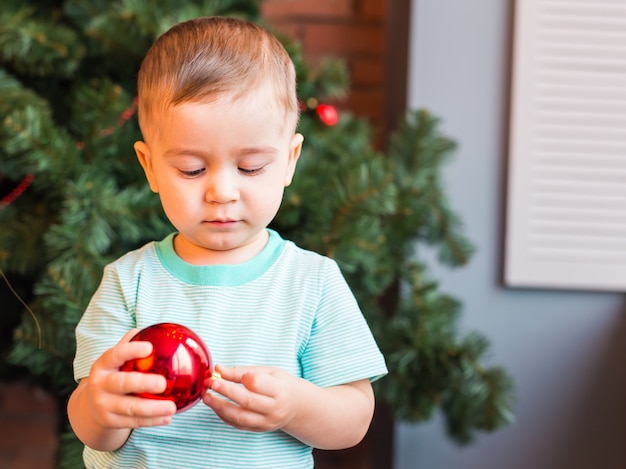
[[143, 155], [295, 148]]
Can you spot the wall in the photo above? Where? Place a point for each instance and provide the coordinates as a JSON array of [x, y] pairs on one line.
[[351, 30], [565, 349]]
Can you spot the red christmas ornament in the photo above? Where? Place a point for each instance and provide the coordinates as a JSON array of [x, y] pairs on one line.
[[180, 356], [328, 114]]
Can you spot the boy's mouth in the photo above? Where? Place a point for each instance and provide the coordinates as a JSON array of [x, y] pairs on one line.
[[222, 221]]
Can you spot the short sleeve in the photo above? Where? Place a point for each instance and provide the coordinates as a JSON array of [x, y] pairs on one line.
[[105, 321], [341, 348]]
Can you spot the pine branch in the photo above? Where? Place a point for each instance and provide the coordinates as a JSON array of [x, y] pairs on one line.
[[35, 45], [417, 151]]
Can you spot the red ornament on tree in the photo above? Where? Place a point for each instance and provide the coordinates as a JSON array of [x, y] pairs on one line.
[[328, 114], [179, 355]]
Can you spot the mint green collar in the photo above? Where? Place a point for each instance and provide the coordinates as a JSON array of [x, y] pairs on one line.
[[219, 275]]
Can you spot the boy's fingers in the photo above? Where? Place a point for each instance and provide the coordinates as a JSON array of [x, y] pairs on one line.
[[136, 382], [123, 352], [137, 411], [260, 380], [242, 396], [129, 335], [231, 373], [229, 412], [236, 373]]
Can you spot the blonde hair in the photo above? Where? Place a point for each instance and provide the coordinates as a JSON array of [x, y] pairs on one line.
[[202, 59]]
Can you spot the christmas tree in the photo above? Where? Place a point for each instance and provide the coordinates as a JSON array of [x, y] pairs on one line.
[[73, 198]]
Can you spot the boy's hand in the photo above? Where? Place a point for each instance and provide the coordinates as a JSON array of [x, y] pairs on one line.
[[109, 390], [263, 403], [266, 399]]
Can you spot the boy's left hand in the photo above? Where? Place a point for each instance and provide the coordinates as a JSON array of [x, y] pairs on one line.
[[260, 398]]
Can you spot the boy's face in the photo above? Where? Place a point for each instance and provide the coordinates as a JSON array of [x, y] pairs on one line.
[[220, 170]]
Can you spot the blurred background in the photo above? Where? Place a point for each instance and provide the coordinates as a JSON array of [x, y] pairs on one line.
[[563, 349]]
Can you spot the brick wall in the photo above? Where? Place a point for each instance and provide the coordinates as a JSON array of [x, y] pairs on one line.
[[352, 30]]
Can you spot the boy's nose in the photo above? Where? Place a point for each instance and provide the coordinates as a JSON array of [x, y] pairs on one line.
[[222, 188]]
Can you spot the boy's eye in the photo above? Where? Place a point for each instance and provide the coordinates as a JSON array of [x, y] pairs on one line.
[[251, 171], [193, 173]]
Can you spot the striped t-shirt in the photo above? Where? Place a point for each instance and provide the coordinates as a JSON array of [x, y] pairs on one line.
[[287, 308]]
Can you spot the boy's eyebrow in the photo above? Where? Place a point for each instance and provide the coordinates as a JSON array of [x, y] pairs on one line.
[[239, 151], [242, 151], [183, 151]]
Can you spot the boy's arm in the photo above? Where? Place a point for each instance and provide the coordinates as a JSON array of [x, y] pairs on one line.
[[333, 418], [327, 418], [102, 410]]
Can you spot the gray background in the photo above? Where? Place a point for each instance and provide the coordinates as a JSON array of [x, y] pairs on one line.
[[565, 349]]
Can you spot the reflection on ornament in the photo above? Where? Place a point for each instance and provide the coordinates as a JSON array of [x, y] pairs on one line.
[[179, 355]]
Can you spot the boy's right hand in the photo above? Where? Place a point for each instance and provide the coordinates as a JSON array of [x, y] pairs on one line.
[[109, 391]]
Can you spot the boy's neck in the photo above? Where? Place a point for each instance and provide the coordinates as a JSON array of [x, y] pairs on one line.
[[198, 255]]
